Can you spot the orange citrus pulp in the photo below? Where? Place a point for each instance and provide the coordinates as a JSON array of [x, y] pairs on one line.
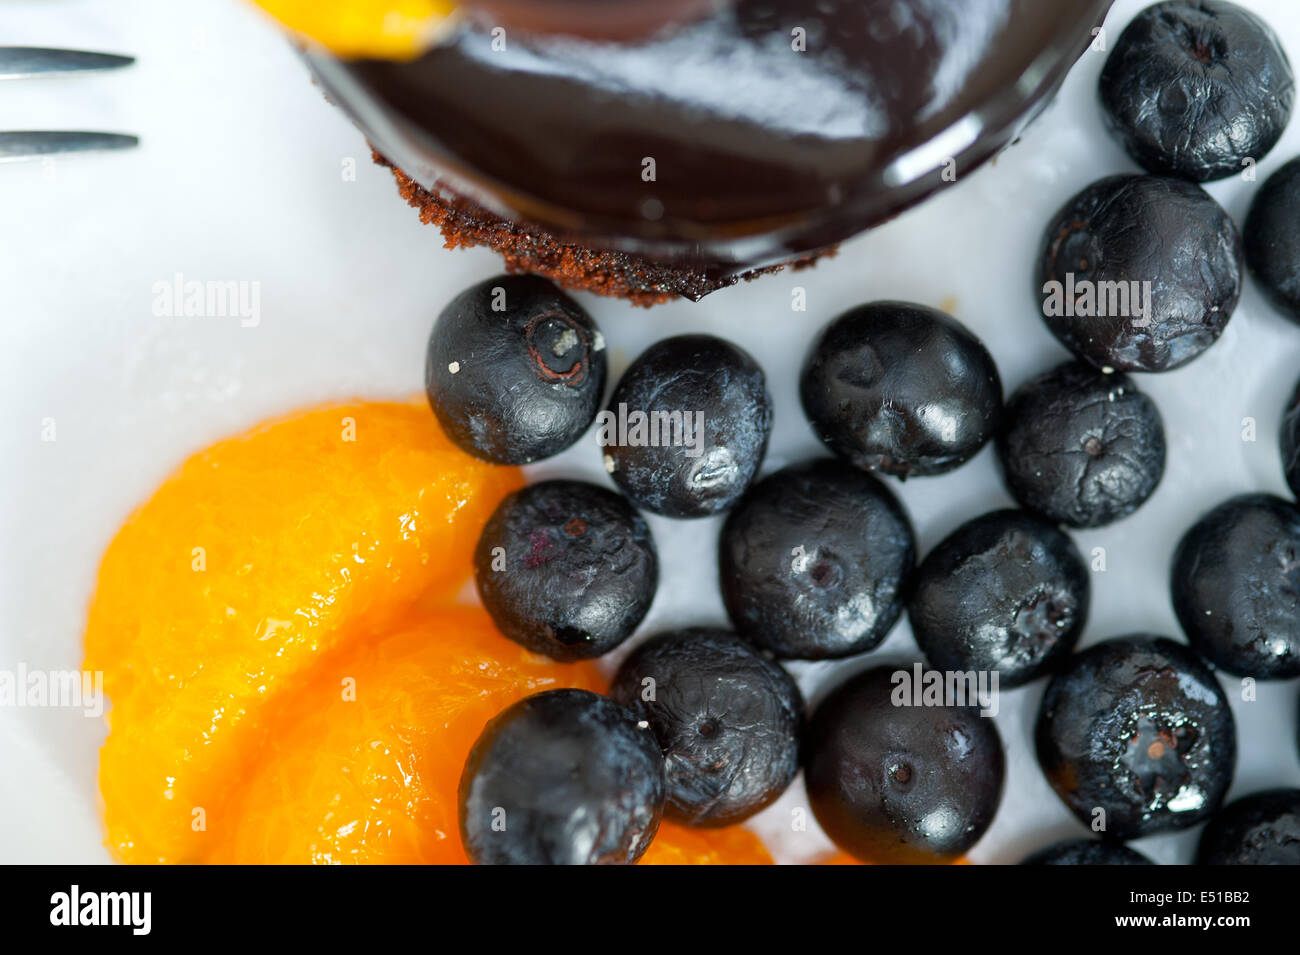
[[392, 29], [291, 675], [678, 845], [253, 565]]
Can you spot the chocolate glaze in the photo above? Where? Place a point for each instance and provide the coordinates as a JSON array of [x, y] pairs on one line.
[[760, 152], [593, 19]]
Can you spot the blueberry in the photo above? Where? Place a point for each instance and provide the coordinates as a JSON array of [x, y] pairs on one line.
[[515, 370], [1236, 586], [1135, 734], [1081, 447], [1260, 829], [1291, 442], [814, 560], [1007, 591], [902, 389], [729, 722], [566, 568], [687, 427], [1087, 852], [1272, 239], [1139, 273], [1194, 88], [564, 777], [901, 784]]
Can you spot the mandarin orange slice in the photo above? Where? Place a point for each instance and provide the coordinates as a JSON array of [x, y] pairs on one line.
[[394, 29], [678, 845], [258, 559], [366, 757]]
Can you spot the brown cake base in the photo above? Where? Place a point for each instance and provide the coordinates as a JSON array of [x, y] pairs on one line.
[[526, 248]]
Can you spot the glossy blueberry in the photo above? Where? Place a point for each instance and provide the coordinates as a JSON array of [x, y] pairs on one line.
[[1087, 852], [1271, 237], [1007, 591], [901, 388], [567, 569], [1138, 729], [901, 784], [1291, 442], [687, 426], [1081, 447], [1260, 829], [1194, 88], [1139, 273], [729, 721], [813, 561], [515, 370], [1236, 586], [564, 777]]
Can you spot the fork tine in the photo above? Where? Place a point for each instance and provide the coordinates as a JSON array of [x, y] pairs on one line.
[[15, 146], [18, 62]]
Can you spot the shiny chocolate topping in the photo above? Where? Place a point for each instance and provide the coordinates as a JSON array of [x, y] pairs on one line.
[[741, 133], [594, 19]]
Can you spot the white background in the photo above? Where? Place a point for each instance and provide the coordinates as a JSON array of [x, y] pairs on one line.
[[240, 177]]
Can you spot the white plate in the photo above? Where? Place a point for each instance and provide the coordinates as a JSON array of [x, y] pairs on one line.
[[241, 176]]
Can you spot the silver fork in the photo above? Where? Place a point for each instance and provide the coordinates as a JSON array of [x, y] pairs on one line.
[[23, 62]]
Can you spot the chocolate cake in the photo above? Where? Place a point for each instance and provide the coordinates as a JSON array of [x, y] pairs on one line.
[[528, 247], [738, 138]]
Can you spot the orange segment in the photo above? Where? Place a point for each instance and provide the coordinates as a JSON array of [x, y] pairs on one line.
[[259, 557], [291, 677], [395, 29], [678, 845], [843, 858], [366, 758]]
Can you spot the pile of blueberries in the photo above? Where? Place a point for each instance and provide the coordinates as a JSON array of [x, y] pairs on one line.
[[818, 560]]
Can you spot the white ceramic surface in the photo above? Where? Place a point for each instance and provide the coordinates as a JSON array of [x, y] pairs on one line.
[[242, 176]]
